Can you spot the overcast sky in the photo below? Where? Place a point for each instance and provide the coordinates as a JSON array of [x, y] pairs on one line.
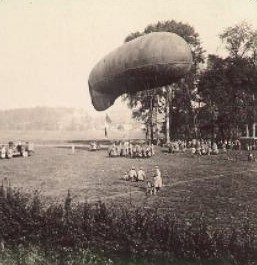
[[48, 47]]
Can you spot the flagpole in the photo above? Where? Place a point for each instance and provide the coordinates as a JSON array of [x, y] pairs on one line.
[[105, 128], [107, 123]]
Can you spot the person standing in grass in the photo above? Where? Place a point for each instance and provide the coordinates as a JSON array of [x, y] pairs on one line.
[[215, 149], [141, 174], [157, 179]]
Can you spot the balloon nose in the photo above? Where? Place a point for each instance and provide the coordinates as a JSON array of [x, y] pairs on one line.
[[101, 101]]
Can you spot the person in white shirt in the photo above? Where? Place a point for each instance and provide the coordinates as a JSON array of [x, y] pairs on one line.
[[141, 174], [125, 176], [132, 174], [157, 179]]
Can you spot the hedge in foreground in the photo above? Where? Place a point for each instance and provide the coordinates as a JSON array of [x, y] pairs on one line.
[[115, 232]]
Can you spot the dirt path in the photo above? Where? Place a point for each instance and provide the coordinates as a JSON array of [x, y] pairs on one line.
[[194, 180], [127, 194], [177, 183]]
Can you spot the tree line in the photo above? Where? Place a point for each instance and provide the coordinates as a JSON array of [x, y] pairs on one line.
[[45, 118], [215, 100]]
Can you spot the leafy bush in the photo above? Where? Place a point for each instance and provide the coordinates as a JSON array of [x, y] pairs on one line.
[[64, 233]]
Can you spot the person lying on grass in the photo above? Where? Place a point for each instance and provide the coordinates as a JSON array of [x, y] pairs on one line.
[[125, 176]]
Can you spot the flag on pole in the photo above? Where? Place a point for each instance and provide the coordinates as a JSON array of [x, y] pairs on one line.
[[108, 121], [120, 127]]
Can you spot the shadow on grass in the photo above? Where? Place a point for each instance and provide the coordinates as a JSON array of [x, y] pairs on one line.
[[35, 256]]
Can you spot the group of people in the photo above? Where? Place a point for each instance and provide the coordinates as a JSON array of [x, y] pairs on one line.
[[94, 146], [153, 185], [197, 147], [128, 149], [204, 147]]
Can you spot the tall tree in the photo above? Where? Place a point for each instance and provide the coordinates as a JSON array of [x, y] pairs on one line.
[[149, 99], [228, 85], [240, 41]]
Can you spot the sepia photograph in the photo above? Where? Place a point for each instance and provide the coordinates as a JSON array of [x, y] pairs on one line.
[[128, 132]]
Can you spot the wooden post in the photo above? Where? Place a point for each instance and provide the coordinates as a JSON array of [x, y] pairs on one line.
[[130, 198], [151, 118], [168, 122], [247, 130], [73, 149], [169, 90]]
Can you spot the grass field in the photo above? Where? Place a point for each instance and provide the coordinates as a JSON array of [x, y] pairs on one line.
[[224, 190]]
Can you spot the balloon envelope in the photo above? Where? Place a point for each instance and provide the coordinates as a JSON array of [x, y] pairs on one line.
[[153, 60]]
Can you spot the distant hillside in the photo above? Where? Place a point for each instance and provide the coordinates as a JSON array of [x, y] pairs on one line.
[[45, 118], [64, 119]]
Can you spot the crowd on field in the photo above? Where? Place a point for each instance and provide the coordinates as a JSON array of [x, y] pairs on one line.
[[207, 147], [131, 150]]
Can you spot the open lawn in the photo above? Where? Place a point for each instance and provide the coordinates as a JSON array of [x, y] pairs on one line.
[[224, 190]]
